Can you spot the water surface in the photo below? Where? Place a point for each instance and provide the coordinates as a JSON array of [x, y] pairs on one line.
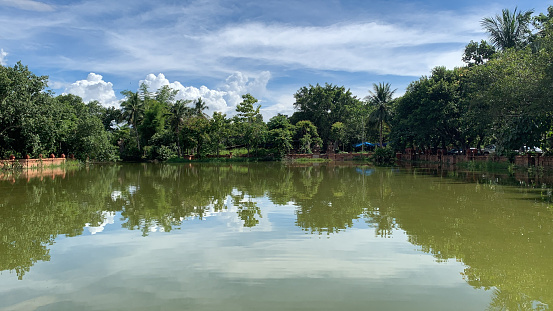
[[273, 237]]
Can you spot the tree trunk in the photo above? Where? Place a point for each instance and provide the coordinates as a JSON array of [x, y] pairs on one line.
[[381, 145]]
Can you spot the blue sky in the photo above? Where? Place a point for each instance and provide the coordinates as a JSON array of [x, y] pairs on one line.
[[220, 50]]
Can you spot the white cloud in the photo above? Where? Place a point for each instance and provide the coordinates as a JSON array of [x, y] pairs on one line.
[[357, 47], [284, 105], [109, 218], [28, 5], [94, 88], [406, 45], [224, 99], [3, 57]]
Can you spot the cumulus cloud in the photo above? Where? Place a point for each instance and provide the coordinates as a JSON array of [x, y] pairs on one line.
[[94, 88], [3, 57], [28, 5], [223, 99]]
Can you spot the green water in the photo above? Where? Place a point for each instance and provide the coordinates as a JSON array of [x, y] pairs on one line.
[[274, 237]]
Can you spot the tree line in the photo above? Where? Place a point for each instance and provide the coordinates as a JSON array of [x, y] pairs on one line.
[[502, 96]]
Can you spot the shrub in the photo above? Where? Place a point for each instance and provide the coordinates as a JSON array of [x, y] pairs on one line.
[[384, 157]]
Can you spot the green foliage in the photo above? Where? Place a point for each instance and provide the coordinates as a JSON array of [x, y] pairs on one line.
[[478, 53], [384, 157], [324, 106], [338, 134], [196, 134], [431, 112], [220, 129], [306, 133], [165, 153], [281, 133], [27, 113], [249, 127], [132, 112], [512, 93], [380, 99], [154, 120], [509, 30]]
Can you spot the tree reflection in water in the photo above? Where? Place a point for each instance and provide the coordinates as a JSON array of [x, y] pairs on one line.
[[502, 234]]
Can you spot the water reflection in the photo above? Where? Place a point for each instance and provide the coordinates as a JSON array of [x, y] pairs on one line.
[[502, 234]]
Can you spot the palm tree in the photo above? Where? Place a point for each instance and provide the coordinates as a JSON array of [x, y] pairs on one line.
[[380, 98], [199, 107], [179, 113], [508, 30], [133, 110]]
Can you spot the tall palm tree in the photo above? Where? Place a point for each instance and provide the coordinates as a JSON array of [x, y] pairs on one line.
[[380, 98], [199, 107], [508, 30], [179, 113], [133, 111]]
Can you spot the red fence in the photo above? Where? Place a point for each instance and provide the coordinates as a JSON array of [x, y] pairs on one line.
[[330, 156], [30, 163], [522, 160]]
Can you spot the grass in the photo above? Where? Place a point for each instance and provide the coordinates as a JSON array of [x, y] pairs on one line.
[[308, 160], [235, 151], [212, 160]]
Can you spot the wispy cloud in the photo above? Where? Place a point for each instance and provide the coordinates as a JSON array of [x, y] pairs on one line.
[[136, 41], [28, 5]]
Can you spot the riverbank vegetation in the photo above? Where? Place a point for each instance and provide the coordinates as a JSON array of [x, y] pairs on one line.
[[503, 96]]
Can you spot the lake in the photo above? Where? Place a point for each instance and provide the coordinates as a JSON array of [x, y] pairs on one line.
[[272, 236]]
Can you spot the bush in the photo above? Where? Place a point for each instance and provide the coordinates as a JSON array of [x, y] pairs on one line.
[[384, 156], [165, 153]]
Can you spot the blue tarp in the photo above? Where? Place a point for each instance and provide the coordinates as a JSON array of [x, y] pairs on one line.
[[366, 145]]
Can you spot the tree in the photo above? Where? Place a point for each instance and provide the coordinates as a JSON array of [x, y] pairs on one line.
[[249, 122], [508, 30], [338, 134], [357, 127], [380, 98], [27, 113], [179, 112], [478, 53], [199, 107], [110, 116], [154, 120], [281, 132], [219, 130], [307, 135], [323, 106], [93, 141], [429, 113], [196, 133], [133, 111], [514, 93], [166, 95]]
